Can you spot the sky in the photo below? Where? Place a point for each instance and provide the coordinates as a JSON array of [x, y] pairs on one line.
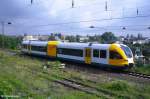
[[44, 17]]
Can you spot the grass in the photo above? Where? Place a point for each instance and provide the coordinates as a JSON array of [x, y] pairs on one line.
[[30, 77], [142, 69], [27, 77], [120, 88]]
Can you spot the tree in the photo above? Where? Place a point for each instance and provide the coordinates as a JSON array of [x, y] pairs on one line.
[[139, 36], [78, 38], [127, 36], [11, 42], [108, 37], [71, 38], [131, 36]]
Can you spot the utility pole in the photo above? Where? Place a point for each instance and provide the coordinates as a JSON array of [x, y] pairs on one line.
[[106, 6], [72, 3], [31, 2], [3, 33]]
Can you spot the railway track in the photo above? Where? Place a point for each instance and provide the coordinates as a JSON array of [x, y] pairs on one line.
[[139, 75], [111, 72], [79, 87], [86, 88]]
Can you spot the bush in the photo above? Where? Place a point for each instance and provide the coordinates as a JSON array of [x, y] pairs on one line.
[[10, 42], [118, 86], [1, 93], [143, 69], [1, 55], [53, 65]]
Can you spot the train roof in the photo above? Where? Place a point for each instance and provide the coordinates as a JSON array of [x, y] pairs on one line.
[[83, 45], [73, 45], [25, 42], [36, 43], [101, 46]]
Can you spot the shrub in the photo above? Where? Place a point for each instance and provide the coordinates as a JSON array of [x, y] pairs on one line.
[[118, 86]]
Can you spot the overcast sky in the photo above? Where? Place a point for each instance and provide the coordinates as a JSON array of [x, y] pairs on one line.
[[48, 16]]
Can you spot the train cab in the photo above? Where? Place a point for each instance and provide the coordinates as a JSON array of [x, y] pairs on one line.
[[120, 56]]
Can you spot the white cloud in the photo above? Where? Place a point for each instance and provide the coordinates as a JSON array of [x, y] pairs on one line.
[[53, 13]]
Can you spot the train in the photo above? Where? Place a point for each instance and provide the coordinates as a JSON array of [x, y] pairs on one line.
[[116, 56]]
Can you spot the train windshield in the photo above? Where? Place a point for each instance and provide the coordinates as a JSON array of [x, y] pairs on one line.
[[127, 51]]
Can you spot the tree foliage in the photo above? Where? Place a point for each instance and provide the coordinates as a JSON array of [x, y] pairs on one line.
[[10, 42], [108, 37]]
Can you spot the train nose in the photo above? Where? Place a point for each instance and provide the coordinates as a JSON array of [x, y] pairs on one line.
[[131, 62]]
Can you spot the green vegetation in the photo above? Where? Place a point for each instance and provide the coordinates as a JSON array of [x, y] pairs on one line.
[[128, 90], [145, 69], [119, 89], [118, 86], [108, 37], [26, 77], [30, 77], [10, 42], [143, 47]]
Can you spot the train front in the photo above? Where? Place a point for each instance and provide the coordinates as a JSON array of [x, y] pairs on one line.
[[121, 56], [129, 55]]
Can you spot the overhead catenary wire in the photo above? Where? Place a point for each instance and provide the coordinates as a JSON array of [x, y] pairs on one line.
[[104, 3], [91, 31], [94, 20], [96, 28], [110, 11], [73, 6], [86, 21]]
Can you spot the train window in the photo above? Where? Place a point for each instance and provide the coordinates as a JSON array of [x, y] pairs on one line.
[[72, 52], [127, 51], [95, 53], [39, 48], [114, 55], [59, 51], [102, 53], [43, 49], [24, 46]]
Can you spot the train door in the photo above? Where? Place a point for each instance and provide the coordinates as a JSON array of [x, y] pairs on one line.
[[51, 50], [88, 56], [29, 47]]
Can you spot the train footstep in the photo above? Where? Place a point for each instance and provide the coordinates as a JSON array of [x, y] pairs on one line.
[[62, 66]]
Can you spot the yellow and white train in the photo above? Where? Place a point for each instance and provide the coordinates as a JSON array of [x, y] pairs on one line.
[[107, 55]]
